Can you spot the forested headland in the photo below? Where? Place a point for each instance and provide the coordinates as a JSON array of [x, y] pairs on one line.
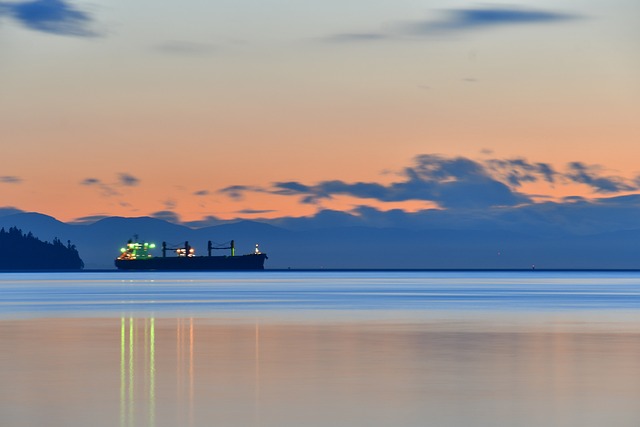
[[19, 251]]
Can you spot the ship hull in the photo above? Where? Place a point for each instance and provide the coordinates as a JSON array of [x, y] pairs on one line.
[[197, 263]]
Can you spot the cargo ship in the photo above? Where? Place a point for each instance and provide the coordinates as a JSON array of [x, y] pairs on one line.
[[135, 256]]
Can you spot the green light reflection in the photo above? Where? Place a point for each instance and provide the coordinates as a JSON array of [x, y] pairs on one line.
[[145, 359], [152, 374]]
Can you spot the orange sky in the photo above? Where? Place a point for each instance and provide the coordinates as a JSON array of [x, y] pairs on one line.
[[194, 110]]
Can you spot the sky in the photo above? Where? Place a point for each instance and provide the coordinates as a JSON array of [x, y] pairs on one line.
[[195, 109]]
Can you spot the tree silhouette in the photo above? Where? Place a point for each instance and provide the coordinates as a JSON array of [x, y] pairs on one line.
[[20, 251]]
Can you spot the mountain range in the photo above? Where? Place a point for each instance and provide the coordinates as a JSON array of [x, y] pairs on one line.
[[431, 240]]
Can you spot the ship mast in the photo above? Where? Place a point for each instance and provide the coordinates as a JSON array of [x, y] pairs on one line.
[[210, 247]]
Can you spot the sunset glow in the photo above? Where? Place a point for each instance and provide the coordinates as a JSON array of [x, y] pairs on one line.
[[133, 109]]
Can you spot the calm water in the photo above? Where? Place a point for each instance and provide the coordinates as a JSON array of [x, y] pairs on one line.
[[320, 349]]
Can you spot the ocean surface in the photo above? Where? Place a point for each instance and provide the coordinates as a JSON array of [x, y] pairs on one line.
[[288, 348]]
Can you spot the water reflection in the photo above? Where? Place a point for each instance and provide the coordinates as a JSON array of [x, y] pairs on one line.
[[138, 349], [129, 358], [184, 366], [190, 371]]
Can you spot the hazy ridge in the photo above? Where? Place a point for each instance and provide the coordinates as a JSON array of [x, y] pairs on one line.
[[305, 243]]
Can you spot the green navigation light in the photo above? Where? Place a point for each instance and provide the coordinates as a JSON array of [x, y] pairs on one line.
[[153, 245]]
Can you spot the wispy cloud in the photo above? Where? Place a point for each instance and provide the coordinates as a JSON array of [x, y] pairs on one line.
[[201, 193], [255, 211], [458, 20], [86, 220], [105, 189], [487, 17], [590, 175], [10, 179], [128, 180], [237, 191], [517, 171], [110, 189], [90, 181], [170, 204], [50, 16]]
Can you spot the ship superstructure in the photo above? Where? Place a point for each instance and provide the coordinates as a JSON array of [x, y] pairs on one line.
[[136, 256]]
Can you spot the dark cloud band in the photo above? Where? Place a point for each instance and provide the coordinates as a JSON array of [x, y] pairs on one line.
[[451, 182], [457, 20]]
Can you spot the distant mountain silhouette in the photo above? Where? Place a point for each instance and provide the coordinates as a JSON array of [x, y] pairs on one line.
[[339, 240], [20, 251]]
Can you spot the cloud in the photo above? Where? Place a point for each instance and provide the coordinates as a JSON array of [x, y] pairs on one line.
[[458, 20], [10, 179], [105, 189], [50, 16], [128, 180], [480, 18], [327, 189], [292, 187], [517, 171], [123, 180], [201, 193], [168, 216], [452, 183], [456, 182], [589, 175], [86, 220], [237, 191], [90, 181], [255, 211]]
